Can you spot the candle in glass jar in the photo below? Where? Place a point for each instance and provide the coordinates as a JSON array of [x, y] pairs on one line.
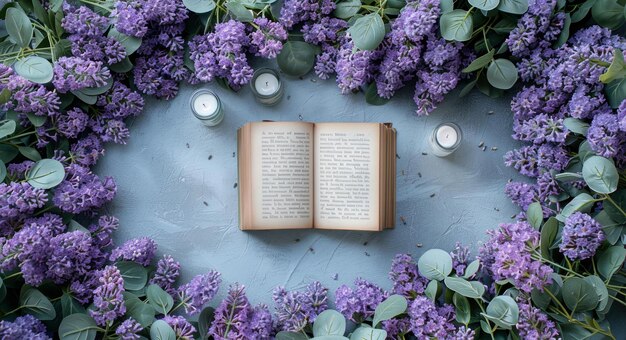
[[266, 86], [445, 139], [207, 107]]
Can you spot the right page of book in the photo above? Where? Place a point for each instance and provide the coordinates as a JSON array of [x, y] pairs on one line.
[[346, 184]]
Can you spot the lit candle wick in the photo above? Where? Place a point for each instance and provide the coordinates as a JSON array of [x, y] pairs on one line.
[[267, 83]]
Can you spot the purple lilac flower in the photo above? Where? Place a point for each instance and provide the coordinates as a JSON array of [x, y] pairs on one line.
[[585, 102], [551, 157], [166, 274], [83, 21], [354, 69], [396, 328], [200, 290], [108, 300], [521, 194], [183, 329], [294, 12], [129, 18], [547, 186], [140, 250], [28, 97], [460, 256], [72, 122], [98, 48], [18, 198], [23, 327], [83, 289], [405, 277], [101, 231], [17, 171], [261, 322], [296, 309], [464, 333], [128, 330], [110, 130], [525, 160], [605, 137], [325, 31], [266, 38], [120, 102], [70, 255], [507, 255], [427, 321], [537, 28], [72, 73], [82, 190], [540, 129], [159, 72], [582, 235], [325, 62], [87, 151], [534, 324], [621, 116], [231, 318], [358, 304]]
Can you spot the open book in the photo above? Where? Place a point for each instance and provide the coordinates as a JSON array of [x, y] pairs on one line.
[[296, 175]]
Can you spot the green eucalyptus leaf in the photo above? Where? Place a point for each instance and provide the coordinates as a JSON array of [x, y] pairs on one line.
[[372, 97], [329, 322], [3, 290], [513, 6], [62, 48], [7, 127], [582, 11], [616, 207], [467, 88], [615, 92], [8, 152], [78, 326], [159, 299], [30, 153], [463, 308], [502, 74], [32, 301], [617, 69], [3, 172], [5, 96], [600, 289], [204, 321], [160, 330], [456, 25], [600, 175], [390, 308], [35, 69], [576, 125], [18, 26], [610, 261], [296, 58], [612, 230], [139, 310], [470, 289], [564, 35], [432, 290], [199, 6], [70, 306], [94, 91], [122, 67], [480, 62], [37, 121], [486, 5], [239, 11], [579, 295], [446, 6], [574, 331], [471, 269], [582, 202], [548, 234], [503, 311], [135, 275], [87, 99], [291, 336], [367, 32], [608, 13], [435, 264], [584, 151], [534, 215], [347, 9], [131, 44], [368, 333], [46, 174]]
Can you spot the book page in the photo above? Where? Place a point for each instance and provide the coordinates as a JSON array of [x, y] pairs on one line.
[[347, 176], [282, 175]]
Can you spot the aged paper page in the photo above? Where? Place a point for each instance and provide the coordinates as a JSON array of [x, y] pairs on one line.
[[282, 175], [347, 176]]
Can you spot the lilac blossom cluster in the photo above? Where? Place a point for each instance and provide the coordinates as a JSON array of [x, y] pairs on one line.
[[296, 309], [23, 327], [581, 236], [534, 324], [235, 318], [538, 28], [358, 304], [406, 279]]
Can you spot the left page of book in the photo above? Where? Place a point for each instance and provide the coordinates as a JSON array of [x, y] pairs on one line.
[[281, 175]]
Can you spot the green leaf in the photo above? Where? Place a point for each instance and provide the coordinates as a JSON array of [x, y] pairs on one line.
[[432, 290], [62, 48], [141, 311], [329, 322], [600, 289], [7, 152], [204, 321], [78, 326], [239, 11], [456, 25], [94, 91], [37, 121], [291, 336], [122, 67], [368, 333], [32, 301], [480, 62], [503, 311], [435, 264], [617, 69], [35, 69], [30, 153], [5, 96], [131, 44], [600, 175], [610, 261], [576, 125], [582, 11], [564, 35], [608, 13], [390, 308], [463, 308], [486, 5], [3, 290], [135, 275], [471, 269], [367, 32], [18, 26], [584, 151], [372, 97], [467, 88], [502, 74], [548, 234], [199, 6], [40, 12], [3, 172], [446, 6], [616, 208], [46, 174], [7, 127], [579, 295], [347, 9], [296, 58], [582, 202], [534, 215], [159, 299], [513, 6], [470, 289], [615, 92], [568, 176], [160, 330], [70, 306]]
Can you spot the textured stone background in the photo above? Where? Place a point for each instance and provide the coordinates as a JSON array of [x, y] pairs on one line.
[[171, 191]]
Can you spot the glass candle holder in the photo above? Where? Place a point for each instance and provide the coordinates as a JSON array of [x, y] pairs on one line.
[[267, 86], [445, 139], [207, 107]]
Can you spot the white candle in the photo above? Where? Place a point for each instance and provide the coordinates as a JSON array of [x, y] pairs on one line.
[[447, 136], [205, 104], [445, 139], [266, 84]]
